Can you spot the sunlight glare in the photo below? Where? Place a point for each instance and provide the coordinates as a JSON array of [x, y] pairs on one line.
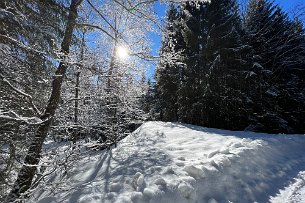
[[122, 52]]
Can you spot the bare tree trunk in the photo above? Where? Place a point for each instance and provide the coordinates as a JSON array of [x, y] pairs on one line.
[[28, 170], [75, 133], [78, 72], [76, 98]]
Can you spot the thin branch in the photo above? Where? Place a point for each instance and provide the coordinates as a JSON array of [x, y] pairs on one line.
[[140, 12], [102, 16], [146, 57], [139, 55], [97, 27], [11, 115], [29, 97], [140, 3], [21, 45], [135, 6]]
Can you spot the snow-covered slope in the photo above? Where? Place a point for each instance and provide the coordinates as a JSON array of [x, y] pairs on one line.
[[168, 162]]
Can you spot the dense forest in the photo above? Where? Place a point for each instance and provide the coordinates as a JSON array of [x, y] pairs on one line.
[[74, 72], [225, 69]]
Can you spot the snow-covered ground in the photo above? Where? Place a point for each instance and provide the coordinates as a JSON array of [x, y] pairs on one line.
[[169, 162]]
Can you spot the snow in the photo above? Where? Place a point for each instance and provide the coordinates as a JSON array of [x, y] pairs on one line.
[[171, 162], [294, 192]]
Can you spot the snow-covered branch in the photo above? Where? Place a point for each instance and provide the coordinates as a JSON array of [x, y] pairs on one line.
[[20, 92]]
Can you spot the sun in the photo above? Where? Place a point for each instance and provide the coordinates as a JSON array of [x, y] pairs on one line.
[[122, 52]]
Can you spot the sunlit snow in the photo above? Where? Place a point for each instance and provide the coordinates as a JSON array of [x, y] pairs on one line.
[[179, 163]]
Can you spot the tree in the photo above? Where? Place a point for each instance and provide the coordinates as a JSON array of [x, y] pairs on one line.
[[150, 102], [29, 42], [32, 158], [224, 72], [120, 23], [191, 86], [169, 68], [210, 93], [119, 87], [278, 51]]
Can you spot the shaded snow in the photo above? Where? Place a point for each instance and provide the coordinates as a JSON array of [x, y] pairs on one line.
[[295, 192], [168, 162]]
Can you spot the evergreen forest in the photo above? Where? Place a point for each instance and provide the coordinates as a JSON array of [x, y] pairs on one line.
[[225, 69]]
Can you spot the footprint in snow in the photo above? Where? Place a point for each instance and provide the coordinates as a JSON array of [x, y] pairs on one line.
[[115, 187], [210, 155], [193, 171], [181, 158], [180, 164], [168, 170], [186, 190], [138, 182], [160, 183]]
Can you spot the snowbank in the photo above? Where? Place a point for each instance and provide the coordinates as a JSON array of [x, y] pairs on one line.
[[168, 162]]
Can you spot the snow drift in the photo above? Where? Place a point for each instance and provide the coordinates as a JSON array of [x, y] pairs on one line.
[[169, 162]]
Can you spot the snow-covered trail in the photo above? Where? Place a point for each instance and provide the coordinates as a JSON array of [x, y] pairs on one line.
[[168, 162]]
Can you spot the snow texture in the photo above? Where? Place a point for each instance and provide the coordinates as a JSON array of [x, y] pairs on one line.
[[169, 162]]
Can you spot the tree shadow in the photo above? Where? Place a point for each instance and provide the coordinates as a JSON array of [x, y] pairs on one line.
[[74, 197], [258, 174], [239, 134]]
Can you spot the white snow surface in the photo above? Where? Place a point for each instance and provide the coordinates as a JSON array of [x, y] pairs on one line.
[[170, 162]]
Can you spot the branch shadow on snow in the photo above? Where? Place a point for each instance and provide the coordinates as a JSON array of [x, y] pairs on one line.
[[74, 197], [143, 158], [252, 176], [75, 187], [113, 166]]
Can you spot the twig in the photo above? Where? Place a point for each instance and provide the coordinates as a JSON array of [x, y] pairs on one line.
[[97, 27], [29, 97]]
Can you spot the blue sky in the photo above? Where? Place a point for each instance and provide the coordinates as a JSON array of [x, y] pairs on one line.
[[160, 9]]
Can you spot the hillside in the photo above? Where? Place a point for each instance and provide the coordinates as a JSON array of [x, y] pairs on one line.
[[169, 162]]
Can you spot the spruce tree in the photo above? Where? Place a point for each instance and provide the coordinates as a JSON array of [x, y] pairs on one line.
[[224, 71], [167, 74], [211, 89], [279, 55], [289, 77], [191, 86]]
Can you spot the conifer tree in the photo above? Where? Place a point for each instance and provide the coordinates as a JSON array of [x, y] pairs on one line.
[[210, 92], [168, 71], [191, 86], [279, 55], [224, 72]]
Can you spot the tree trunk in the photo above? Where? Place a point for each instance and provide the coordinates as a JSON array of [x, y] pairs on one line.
[[28, 170], [76, 98], [82, 50]]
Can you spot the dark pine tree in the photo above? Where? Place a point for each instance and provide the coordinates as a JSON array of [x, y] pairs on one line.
[[212, 87], [150, 103], [168, 71], [191, 85], [225, 67], [277, 91], [292, 99]]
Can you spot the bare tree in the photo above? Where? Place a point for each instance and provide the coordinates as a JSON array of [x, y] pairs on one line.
[[27, 172]]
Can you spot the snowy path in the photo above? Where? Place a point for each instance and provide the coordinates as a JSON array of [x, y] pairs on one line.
[[167, 162]]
